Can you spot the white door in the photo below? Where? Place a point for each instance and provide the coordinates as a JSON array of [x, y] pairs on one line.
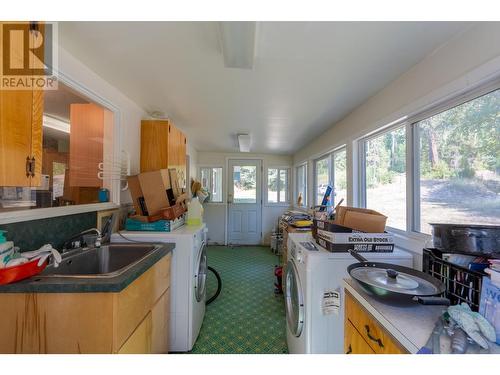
[[244, 202]]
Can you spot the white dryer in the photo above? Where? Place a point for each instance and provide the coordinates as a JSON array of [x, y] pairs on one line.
[[314, 277], [187, 280]]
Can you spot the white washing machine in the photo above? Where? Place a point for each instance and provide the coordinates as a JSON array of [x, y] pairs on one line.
[[187, 280], [314, 279]]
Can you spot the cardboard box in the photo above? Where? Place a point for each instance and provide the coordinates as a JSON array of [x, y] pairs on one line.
[[151, 192], [155, 186], [135, 189], [174, 181], [361, 219]]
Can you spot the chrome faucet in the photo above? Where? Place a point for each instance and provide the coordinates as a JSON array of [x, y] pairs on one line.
[[98, 240]]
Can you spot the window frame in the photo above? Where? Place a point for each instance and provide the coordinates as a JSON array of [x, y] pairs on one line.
[[362, 165], [413, 215], [288, 185], [304, 196], [211, 168], [331, 170], [117, 187]]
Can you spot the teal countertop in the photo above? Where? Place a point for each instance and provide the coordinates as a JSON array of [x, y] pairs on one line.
[[87, 285]]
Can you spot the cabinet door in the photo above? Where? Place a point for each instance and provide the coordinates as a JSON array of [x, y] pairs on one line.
[[21, 113], [160, 315], [173, 146], [354, 342], [375, 335], [86, 145], [154, 145], [37, 108], [140, 340]]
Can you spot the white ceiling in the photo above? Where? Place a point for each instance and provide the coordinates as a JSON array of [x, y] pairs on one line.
[[306, 75]]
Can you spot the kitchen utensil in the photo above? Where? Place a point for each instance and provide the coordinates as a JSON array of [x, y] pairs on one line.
[[396, 284], [467, 239]]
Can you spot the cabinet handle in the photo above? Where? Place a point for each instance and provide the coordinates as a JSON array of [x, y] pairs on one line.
[[28, 166], [378, 341], [349, 350], [33, 166]]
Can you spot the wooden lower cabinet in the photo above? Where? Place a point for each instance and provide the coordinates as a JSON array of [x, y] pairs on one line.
[[359, 325], [141, 339], [160, 325], [134, 320], [354, 343]]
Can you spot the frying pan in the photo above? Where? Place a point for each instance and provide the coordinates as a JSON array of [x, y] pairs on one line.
[[396, 284]]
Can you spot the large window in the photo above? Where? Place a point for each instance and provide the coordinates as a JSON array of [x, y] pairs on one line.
[[68, 148], [385, 175], [277, 185], [301, 172], [322, 178], [331, 171], [459, 164], [211, 181]]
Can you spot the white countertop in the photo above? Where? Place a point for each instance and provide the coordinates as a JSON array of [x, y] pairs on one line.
[[410, 326]]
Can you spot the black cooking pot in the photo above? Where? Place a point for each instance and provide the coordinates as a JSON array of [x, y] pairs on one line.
[[467, 239], [396, 284]]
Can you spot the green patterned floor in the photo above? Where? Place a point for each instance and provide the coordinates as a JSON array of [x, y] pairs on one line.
[[247, 317]]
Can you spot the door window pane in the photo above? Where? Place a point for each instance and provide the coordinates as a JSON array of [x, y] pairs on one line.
[[460, 164], [340, 176], [385, 163], [245, 184], [272, 185], [302, 183], [322, 178]]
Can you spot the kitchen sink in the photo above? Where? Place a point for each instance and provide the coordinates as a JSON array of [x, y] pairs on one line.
[[106, 261]]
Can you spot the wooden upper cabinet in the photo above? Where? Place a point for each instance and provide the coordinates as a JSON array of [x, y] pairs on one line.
[[86, 144], [173, 146], [162, 146], [154, 145], [21, 121]]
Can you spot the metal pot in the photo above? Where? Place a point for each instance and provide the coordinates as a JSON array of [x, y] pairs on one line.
[[473, 239], [396, 284]]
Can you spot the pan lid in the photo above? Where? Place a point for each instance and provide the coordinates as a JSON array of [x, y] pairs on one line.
[[392, 280]]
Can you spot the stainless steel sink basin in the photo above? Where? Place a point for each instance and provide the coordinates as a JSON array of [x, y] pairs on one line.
[[107, 261]]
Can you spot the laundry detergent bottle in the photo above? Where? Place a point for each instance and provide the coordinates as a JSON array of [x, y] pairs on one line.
[[195, 212], [6, 249]]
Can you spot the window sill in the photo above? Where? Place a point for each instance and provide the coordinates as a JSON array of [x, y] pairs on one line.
[[45, 213], [277, 205]]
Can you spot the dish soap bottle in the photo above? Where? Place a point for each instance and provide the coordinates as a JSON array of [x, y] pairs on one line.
[[195, 212], [6, 249]]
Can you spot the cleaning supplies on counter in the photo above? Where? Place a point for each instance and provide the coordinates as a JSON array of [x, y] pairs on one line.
[[6, 249], [195, 212]]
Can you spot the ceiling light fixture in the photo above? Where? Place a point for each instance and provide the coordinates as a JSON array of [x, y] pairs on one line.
[[238, 44], [56, 124], [244, 141]]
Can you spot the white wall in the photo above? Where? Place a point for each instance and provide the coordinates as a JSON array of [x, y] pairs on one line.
[[215, 213], [468, 59]]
